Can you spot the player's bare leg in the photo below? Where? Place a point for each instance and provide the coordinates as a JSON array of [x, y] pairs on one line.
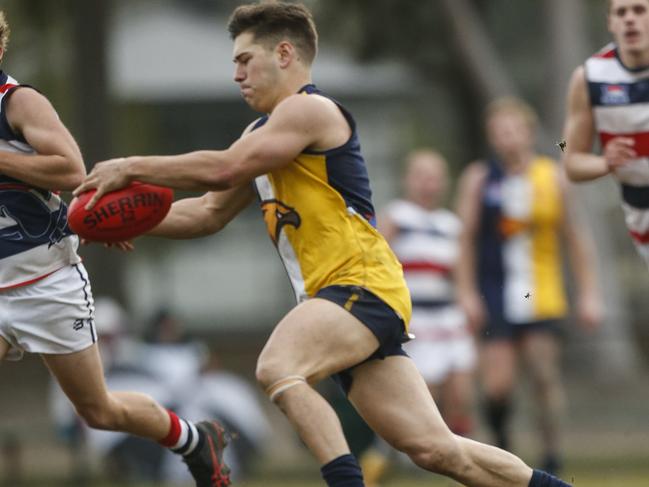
[[314, 341], [319, 338], [4, 348], [457, 392], [115, 411], [498, 374], [541, 353], [201, 445], [394, 400]]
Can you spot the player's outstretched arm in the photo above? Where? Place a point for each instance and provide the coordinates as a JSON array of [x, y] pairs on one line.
[[296, 123], [58, 164], [198, 217], [580, 163]]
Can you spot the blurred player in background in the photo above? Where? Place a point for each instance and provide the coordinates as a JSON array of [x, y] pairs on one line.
[[608, 98], [354, 307], [424, 236], [516, 213], [46, 304], [172, 356]]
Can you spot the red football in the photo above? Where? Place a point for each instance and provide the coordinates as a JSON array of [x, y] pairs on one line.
[[120, 215]]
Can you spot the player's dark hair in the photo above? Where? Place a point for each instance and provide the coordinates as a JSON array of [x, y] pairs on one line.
[[271, 23], [4, 31]]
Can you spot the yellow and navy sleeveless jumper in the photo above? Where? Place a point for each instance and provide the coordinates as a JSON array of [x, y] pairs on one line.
[[518, 246], [319, 214]]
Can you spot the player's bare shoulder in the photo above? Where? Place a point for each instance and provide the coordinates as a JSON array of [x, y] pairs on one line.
[[25, 104], [309, 109], [250, 127], [577, 88], [319, 115], [579, 74], [474, 174], [469, 186], [25, 98]]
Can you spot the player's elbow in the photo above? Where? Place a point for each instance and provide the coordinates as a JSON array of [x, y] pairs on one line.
[[211, 226], [571, 171], [222, 180], [572, 175], [219, 173], [72, 175], [74, 180], [209, 221], [576, 176]]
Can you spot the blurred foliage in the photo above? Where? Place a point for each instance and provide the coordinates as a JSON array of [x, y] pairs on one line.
[[41, 30], [407, 30], [418, 34]]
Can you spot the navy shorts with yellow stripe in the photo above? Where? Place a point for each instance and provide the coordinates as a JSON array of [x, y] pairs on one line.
[[381, 319]]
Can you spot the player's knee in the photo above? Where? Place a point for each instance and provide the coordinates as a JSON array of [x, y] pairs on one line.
[[98, 416], [546, 375], [268, 371], [443, 456], [272, 368], [275, 378]]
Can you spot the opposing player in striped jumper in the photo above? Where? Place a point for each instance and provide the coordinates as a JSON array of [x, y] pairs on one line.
[[607, 101], [46, 304]]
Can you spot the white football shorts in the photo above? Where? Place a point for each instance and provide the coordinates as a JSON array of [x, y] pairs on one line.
[[637, 221], [442, 343], [54, 315]]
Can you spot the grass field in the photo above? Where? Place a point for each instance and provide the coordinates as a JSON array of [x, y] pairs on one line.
[[631, 480], [595, 475], [583, 480]]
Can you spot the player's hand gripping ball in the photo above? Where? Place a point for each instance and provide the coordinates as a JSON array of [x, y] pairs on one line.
[[120, 215]]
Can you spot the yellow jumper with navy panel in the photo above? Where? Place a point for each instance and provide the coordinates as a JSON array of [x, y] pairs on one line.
[[319, 213]]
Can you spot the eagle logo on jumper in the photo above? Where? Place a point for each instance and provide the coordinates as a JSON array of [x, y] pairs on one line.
[[510, 227], [615, 95], [277, 215]]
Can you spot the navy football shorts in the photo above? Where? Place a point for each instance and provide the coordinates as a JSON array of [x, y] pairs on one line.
[[381, 319]]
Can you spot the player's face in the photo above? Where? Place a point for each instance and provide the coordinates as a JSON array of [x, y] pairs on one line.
[[628, 21], [426, 180], [508, 132], [256, 72]]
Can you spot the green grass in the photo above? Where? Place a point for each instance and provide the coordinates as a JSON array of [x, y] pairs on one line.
[[627, 471], [582, 479], [596, 477], [626, 480]]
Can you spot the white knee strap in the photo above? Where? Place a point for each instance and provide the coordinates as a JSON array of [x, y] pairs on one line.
[[275, 389]]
